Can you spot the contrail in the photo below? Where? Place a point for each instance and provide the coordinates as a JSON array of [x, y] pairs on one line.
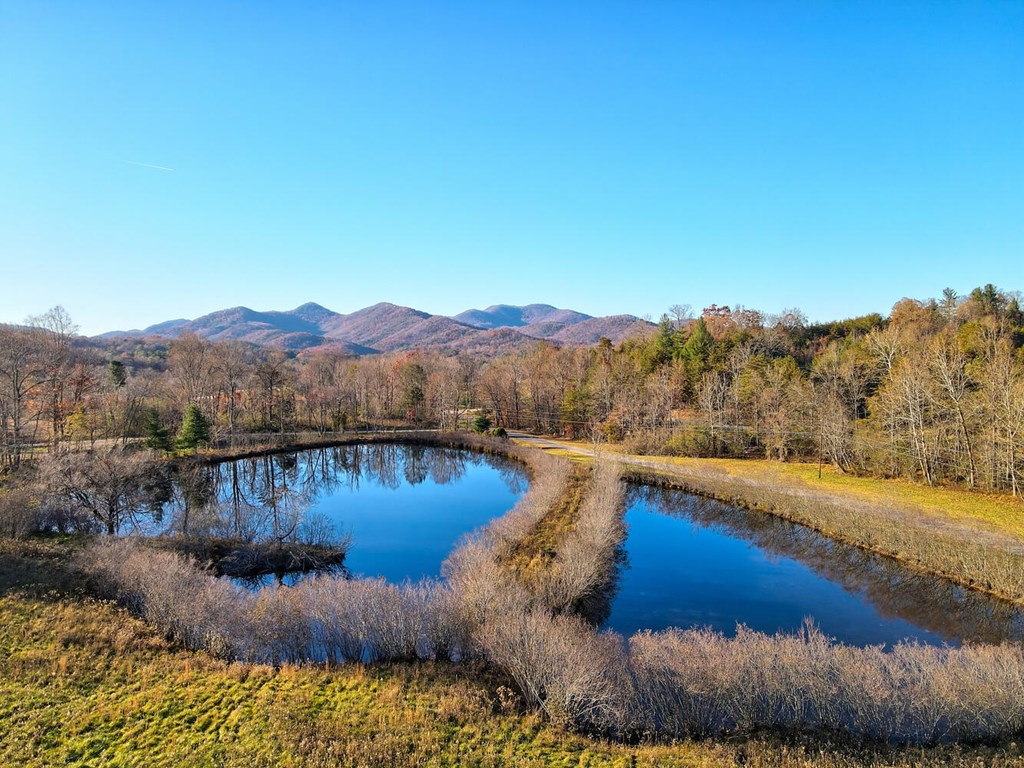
[[146, 165]]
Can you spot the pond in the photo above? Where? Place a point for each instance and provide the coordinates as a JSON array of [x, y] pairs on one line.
[[402, 508], [691, 562]]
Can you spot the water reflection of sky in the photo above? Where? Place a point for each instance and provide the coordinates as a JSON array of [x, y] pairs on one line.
[[692, 562], [404, 507]]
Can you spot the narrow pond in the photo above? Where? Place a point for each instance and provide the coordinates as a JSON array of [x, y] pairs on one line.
[[687, 562], [691, 562], [403, 507]]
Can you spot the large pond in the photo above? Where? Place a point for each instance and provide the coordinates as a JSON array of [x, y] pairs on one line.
[[402, 507], [690, 562]]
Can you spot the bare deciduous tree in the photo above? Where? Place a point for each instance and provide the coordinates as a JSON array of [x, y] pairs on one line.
[[107, 487], [23, 369]]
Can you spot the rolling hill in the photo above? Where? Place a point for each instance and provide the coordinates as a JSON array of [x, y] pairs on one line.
[[385, 327], [508, 316]]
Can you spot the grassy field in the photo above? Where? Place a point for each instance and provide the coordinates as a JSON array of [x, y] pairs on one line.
[[82, 683], [994, 512]]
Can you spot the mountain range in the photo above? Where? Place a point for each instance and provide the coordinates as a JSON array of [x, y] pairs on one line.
[[384, 327]]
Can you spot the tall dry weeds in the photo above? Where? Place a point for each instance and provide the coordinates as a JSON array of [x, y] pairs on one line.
[[674, 683]]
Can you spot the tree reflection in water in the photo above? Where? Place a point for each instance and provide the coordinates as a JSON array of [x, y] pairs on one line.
[[271, 498], [953, 612]]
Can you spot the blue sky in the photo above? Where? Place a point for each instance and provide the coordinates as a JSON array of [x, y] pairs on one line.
[[610, 157]]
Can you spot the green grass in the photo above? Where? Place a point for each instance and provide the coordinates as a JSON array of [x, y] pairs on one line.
[[83, 683], [996, 512], [1000, 513], [536, 551]]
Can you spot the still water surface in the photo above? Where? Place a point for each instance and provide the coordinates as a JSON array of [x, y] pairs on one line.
[[404, 507], [687, 562], [693, 562]]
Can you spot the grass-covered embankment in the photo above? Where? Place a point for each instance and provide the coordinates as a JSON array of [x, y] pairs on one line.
[[998, 513], [83, 683], [533, 553], [994, 512], [270, 444], [973, 539]]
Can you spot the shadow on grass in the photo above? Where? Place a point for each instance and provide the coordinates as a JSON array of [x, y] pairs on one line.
[[40, 566]]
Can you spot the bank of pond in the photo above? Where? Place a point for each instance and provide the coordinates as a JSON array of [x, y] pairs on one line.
[[692, 561], [396, 511]]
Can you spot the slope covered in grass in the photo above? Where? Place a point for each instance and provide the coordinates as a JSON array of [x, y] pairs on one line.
[[82, 683]]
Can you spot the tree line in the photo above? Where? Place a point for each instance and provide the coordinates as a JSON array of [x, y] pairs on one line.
[[934, 391]]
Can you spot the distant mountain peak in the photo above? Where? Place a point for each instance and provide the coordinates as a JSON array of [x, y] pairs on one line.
[[386, 327], [511, 316], [312, 312], [311, 306]]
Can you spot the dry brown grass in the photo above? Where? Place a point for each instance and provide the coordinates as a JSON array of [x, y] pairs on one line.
[[675, 684], [982, 560], [82, 683], [534, 552]]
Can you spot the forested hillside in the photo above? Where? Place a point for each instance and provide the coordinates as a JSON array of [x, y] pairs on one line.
[[384, 327], [934, 391]]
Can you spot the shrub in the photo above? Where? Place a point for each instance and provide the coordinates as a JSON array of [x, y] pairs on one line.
[[585, 564], [21, 513], [328, 618], [108, 488], [701, 682]]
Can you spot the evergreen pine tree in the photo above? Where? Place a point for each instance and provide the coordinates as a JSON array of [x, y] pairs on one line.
[[158, 437], [698, 346], [195, 429], [117, 373]]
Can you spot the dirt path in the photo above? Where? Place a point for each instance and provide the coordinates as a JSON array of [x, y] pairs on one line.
[[546, 443]]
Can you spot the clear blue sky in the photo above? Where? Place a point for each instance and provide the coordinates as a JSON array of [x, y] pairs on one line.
[[605, 156]]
